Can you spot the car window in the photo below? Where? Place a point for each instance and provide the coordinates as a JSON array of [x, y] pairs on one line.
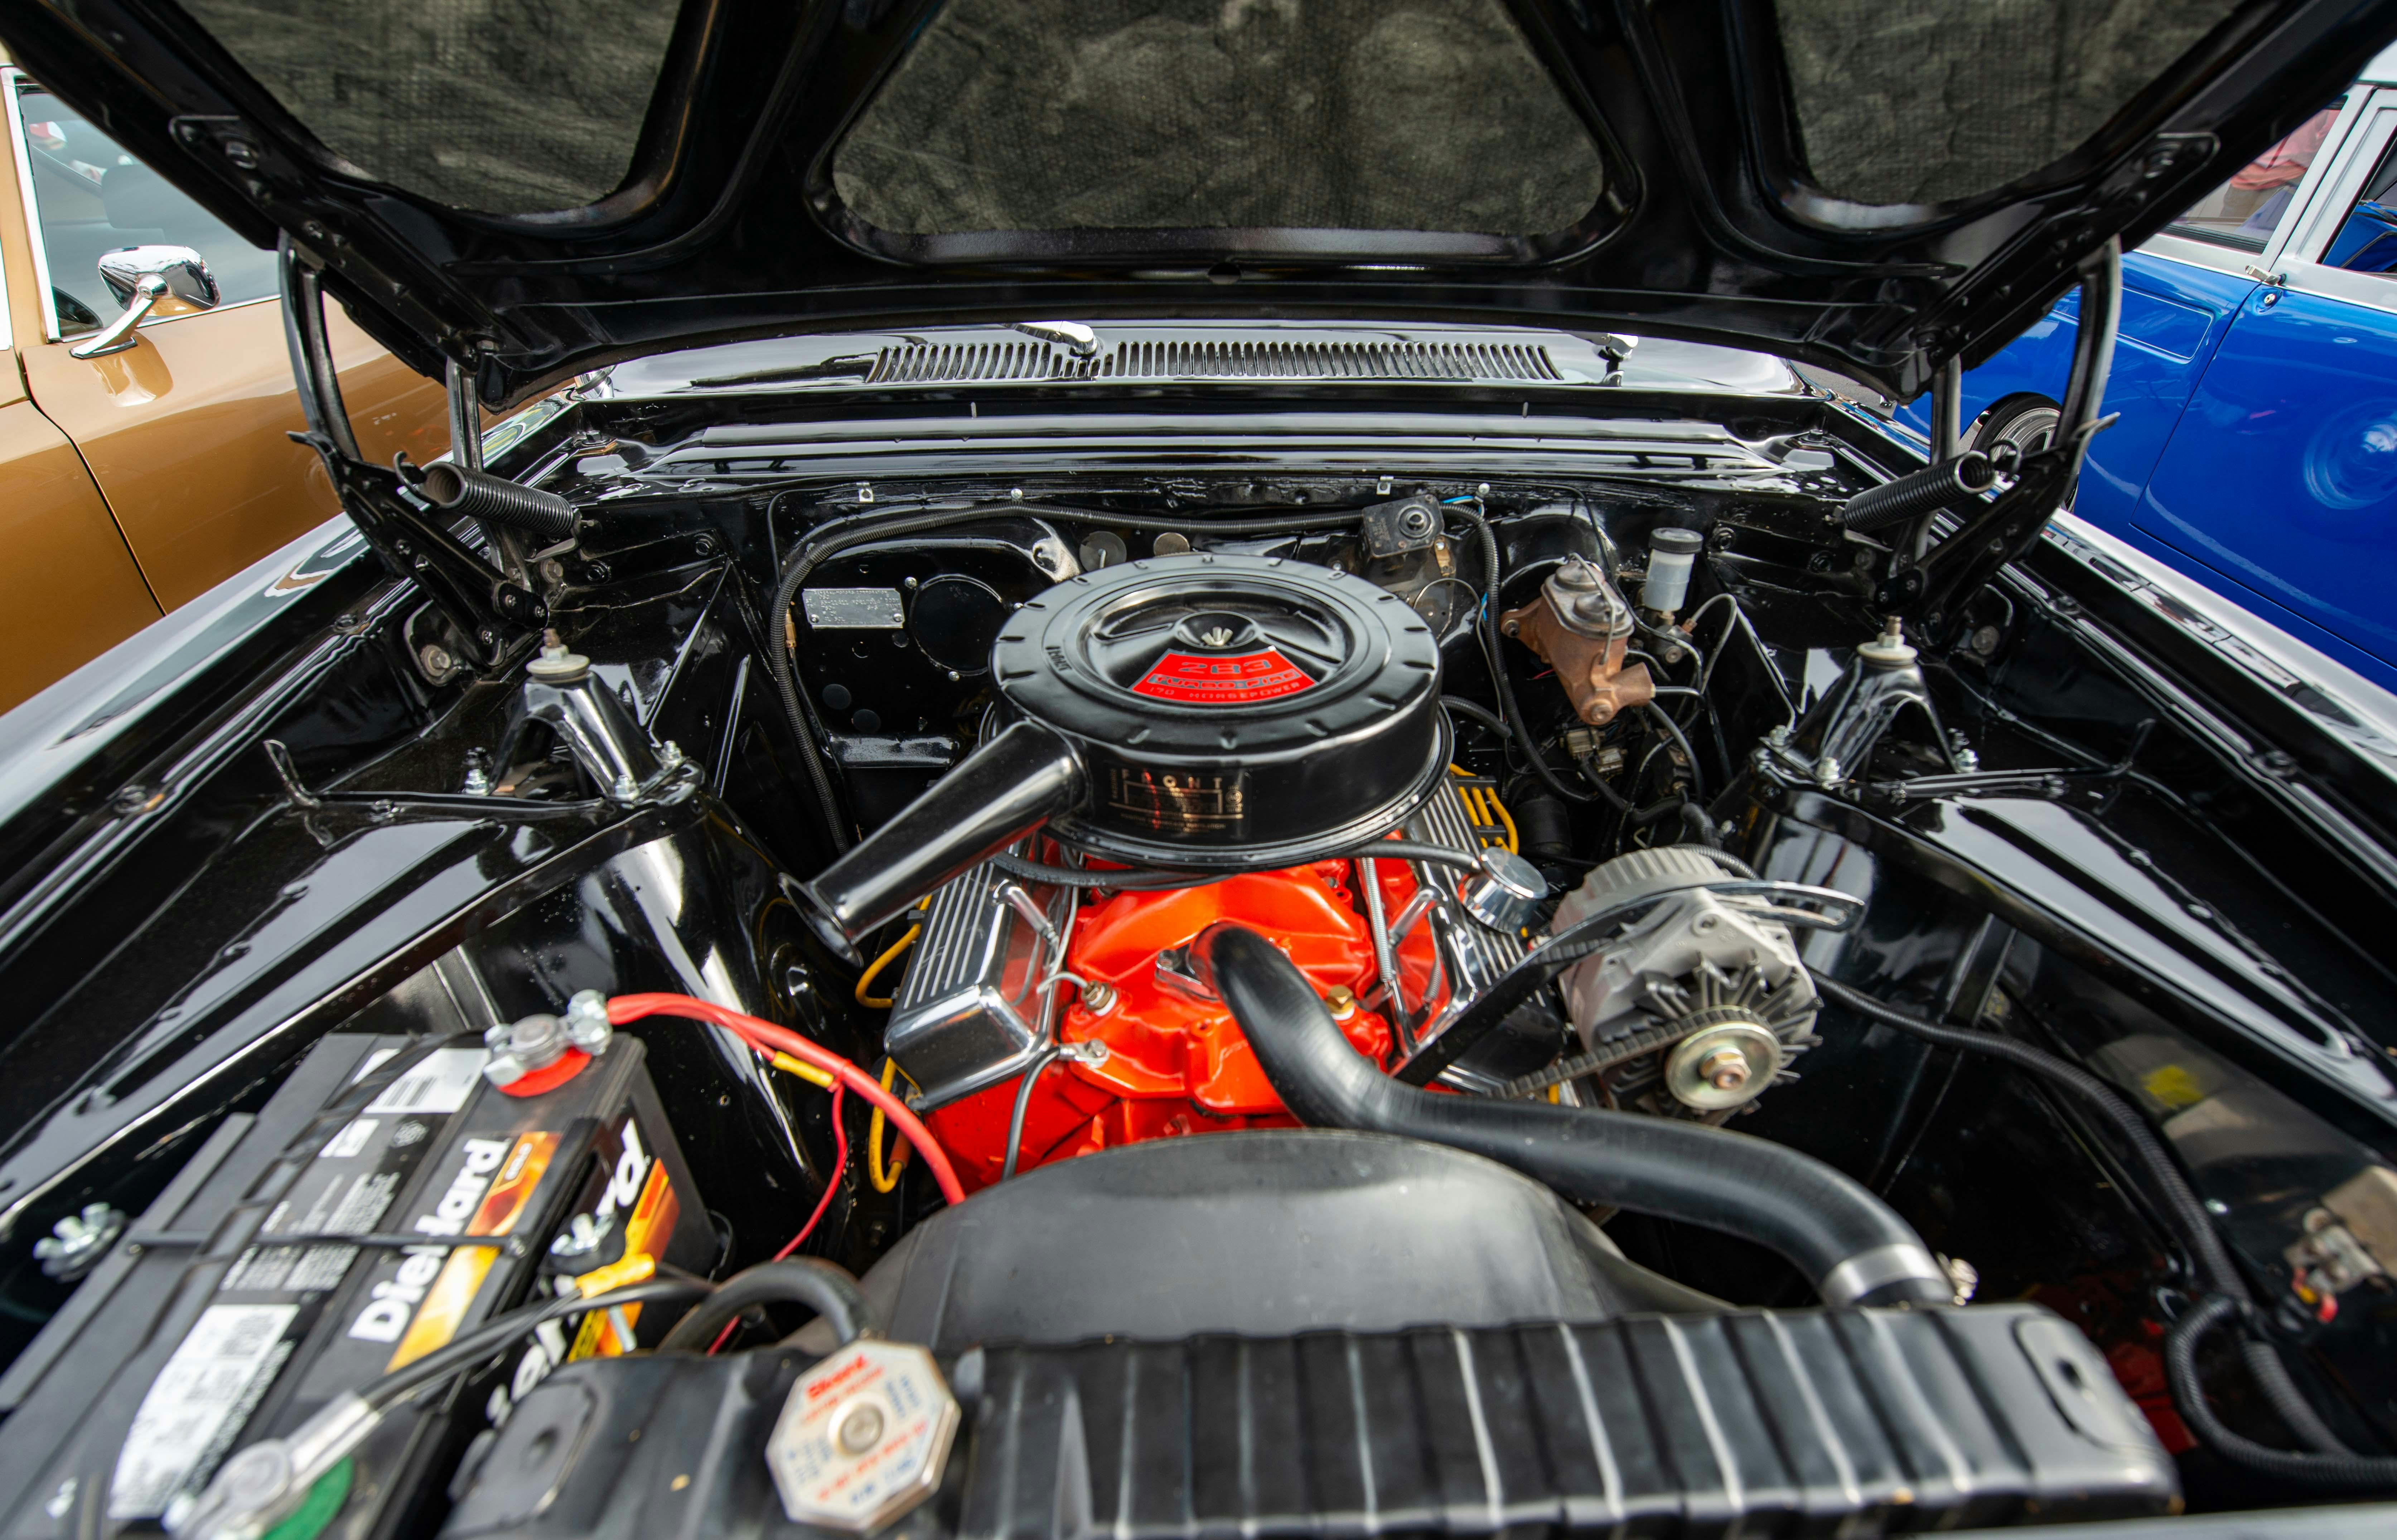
[[91, 197], [2366, 241], [2244, 212]]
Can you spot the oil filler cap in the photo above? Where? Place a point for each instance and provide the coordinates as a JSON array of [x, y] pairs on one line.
[[864, 1436]]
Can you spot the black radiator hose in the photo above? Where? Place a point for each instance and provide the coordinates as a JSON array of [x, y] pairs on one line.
[[1850, 1243], [1924, 492], [826, 1289], [479, 494]]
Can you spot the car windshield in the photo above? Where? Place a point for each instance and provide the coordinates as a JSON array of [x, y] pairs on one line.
[[92, 197]]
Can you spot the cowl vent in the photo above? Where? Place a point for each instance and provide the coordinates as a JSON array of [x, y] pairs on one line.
[[945, 363]]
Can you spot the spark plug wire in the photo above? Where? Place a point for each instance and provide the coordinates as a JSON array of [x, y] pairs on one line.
[[884, 1178]]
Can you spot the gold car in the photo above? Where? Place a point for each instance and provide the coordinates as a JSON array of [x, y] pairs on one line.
[[139, 468]]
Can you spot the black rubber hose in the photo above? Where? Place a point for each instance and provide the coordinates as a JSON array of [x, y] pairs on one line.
[[2186, 1214], [2340, 1469], [1015, 1113], [496, 499], [1919, 492], [480, 1344], [2297, 1413], [1116, 881], [1476, 713], [1673, 730], [1854, 1247], [1408, 849], [1676, 806], [800, 1279]]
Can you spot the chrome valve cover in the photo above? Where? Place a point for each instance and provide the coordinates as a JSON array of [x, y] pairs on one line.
[[970, 1010]]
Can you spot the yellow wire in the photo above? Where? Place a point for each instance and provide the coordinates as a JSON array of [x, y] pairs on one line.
[[819, 1077], [1465, 794], [1482, 805], [865, 980], [884, 1181], [1514, 840]]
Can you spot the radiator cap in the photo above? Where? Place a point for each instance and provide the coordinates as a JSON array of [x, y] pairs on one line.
[[864, 1436]]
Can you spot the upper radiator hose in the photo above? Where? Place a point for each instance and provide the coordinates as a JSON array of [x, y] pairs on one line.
[[1848, 1242], [1924, 492]]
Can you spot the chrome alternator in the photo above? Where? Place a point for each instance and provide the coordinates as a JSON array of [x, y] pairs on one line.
[[1699, 1006]]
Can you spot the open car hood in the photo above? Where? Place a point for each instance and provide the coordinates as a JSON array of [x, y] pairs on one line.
[[1875, 186]]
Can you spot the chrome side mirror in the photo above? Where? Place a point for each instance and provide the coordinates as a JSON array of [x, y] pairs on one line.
[[140, 276]]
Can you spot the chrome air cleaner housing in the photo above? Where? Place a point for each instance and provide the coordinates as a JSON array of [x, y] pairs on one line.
[[1228, 710], [1203, 712]]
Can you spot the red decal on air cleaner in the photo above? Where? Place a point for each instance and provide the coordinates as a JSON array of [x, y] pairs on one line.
[[1220, 681]]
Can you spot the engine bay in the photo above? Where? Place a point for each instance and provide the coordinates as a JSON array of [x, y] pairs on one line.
[[1284, 1002]]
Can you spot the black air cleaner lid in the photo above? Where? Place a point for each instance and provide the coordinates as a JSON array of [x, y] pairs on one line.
[[1230, 709]]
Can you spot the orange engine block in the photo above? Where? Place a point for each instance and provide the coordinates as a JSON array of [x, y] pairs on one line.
[[1176, 1062]]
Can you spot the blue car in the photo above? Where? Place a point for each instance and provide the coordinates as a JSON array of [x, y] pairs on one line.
[[2257, 379]]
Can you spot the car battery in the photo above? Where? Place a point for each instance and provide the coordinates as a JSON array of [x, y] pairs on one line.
[[386, 1200]]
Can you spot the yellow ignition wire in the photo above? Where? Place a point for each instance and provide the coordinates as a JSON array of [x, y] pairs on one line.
[[890, 955], [1506, 819], [819, 1078], [1483, 808], [885, 1179]]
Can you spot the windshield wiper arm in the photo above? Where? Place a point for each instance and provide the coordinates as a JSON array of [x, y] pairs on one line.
[[1073, 334]]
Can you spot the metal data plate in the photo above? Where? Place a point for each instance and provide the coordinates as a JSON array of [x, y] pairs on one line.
[[854, 610]]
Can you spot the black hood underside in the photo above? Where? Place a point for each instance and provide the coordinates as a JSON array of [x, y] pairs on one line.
[[1873, 185]]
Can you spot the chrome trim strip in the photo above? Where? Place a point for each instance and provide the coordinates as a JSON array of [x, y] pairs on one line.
[[2341, 702], [11, 79]]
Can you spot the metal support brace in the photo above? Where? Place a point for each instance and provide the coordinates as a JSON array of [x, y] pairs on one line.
[[486, 608], [1948, 412], [1932, 592]]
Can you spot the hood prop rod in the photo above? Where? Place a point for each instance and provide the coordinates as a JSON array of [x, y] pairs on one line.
[[1932, 592], [488, 610]]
